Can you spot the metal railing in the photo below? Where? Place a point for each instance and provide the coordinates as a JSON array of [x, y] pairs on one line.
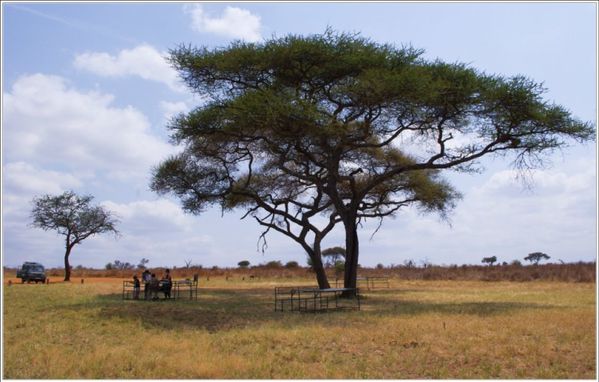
[[314, 299]]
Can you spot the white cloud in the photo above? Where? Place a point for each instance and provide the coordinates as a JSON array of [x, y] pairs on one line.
[[500, 217], [143, 61], [23, 178], [234, 22], [146, 216], [48, 123], [171, 109]]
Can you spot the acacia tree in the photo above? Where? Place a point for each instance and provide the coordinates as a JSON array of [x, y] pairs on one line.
[[208, 172], [333, 254], [490, 260], [536, 257], [74, 217], [338, 125]]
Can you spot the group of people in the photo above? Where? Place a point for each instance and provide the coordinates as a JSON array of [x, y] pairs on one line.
[[152, 285]]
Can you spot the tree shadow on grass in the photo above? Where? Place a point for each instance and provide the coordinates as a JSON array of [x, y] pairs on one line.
[[218, 310], [390, 306], [214, 310]]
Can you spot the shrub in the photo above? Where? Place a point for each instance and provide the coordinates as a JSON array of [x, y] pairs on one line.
[[274, 264], [243, 264], [292, 264]]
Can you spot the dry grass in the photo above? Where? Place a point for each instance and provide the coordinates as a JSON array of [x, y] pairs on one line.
[[416, 329]]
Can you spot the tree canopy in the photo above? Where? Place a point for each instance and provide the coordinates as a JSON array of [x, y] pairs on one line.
[[74, 217], [490, 260], [536, 257], [340, 126]]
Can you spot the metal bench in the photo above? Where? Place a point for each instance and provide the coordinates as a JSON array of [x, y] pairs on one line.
[[313, 299]]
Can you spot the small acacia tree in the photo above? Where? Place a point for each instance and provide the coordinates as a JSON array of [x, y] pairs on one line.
[[74, 217], [536, 257], [336, 124], [243, 264], [489, 260], [333, 255]]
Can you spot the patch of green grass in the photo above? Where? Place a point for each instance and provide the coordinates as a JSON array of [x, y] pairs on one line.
[[416, 329]]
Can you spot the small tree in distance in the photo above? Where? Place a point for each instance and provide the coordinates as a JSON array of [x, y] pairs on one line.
[[74, 217], [243, 264], [274, 264], [142, 263], [333, 255], [490, 260], [536, 257]]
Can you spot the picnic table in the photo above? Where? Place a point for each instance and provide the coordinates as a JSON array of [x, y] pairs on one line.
[[314, 299], [179, 289]]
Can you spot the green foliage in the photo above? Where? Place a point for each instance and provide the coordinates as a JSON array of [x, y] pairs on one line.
[[243, 264], [490, 260], [334, 251], [292, 264], [301, 126], [72, 215], [536, 257], [332, 255], [119, 265]]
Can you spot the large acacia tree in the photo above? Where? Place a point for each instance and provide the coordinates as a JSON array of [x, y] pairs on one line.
[[336, 124], [74, 217]]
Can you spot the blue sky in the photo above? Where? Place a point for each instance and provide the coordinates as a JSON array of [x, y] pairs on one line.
[[86, 95]]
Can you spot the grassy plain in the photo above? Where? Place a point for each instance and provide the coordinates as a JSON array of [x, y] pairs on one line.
[[415, 329]]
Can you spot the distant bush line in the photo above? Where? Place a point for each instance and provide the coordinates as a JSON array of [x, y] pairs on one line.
[[569, 272]]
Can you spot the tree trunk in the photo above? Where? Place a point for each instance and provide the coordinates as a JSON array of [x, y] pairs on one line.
[[321, 275], [67, 266], [352, 249]]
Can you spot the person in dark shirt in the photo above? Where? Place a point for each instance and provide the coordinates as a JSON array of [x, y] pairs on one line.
[[136, 287], [167, 284]]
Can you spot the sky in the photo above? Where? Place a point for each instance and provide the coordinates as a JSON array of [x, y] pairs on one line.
[[87, 93]]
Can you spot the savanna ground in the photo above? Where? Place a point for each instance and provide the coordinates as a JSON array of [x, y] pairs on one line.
[[415, 329]]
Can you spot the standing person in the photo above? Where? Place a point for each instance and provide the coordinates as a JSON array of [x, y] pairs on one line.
[[154, 286], [136, 287], [145, 276], [167, 283]]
